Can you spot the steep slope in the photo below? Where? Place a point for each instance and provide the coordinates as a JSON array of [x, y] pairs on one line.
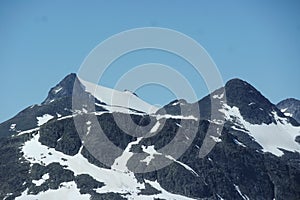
[[117, 100], [58, 103], [290, 107]]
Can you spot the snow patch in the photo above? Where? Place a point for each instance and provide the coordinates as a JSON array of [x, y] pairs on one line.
[[155, 127], [28, 131], [270, 136], [216, 139], [56, 90], [220, 96], [114, 180], [239, 143], [175, 103], [165, 194], [240, 193], [182, 164], [168, 116], [288, 114], [179, 125], [12, 127], [66, 117], [151, 151], [238, 129], [68, 191], [120, 162], [43, 119], [283, 110], [42, 180], [117, 98]]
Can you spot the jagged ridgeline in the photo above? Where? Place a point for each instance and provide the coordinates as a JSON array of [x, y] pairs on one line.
[[54, 150]]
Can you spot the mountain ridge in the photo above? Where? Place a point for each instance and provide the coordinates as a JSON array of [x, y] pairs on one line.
[[55, 157]]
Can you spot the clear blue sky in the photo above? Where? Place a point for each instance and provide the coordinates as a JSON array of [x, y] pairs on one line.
[[42, 41]]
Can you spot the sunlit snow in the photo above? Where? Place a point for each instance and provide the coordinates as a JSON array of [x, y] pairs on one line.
[[42, 180], [270, 136], [68, 191], [117, 98], [43, 119]]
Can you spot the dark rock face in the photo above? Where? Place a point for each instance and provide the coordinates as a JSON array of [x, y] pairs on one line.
[[64, 88], [62, 136], [254, 107], [13, 167], [86, 183], [291, 106], [57, 176]]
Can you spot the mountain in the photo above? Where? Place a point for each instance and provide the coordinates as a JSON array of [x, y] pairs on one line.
[[80, 143], [290, 107]]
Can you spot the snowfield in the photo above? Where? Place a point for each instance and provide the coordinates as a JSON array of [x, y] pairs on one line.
[[43, 119], [272, 136], [117, 180], [117, 99]]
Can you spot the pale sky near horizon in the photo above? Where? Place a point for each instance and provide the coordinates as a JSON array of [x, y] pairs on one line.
[[43, 41]]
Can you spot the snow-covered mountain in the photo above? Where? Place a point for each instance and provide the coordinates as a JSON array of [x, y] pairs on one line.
[[290, 107], [249, 148]]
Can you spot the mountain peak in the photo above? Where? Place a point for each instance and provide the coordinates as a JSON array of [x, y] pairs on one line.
[[252, 104], [63, 89], [290, 107]]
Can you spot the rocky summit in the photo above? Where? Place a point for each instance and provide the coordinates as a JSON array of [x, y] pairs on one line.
[[79, 143], [290, 107]]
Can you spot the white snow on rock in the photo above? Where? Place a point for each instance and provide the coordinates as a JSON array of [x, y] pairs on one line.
[[216, 139], [57, 89], [120, 162], [179, 125], [182, 164], [68, 191], [119, 109], [288, 114], [12, 127], [165, 194], [43, 119], [239, 143], [151, 151], [28, 131], [270, 136], [175, 103], [220, 96], [116, 98], [155, 127], [245, 197], [116, 181], [66, 117], [168, 116], [42, 180]]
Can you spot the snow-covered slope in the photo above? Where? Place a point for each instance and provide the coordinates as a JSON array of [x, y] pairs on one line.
[[117, 100], [290, 107], [272, 137], [116, 180]]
